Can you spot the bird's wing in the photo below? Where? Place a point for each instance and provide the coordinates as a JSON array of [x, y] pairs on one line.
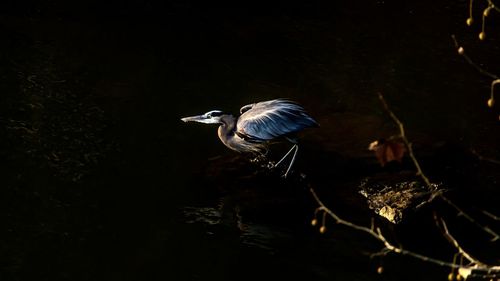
[[246, 108], [271, 119]]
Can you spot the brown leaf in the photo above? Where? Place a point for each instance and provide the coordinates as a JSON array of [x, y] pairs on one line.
[[387, 150]]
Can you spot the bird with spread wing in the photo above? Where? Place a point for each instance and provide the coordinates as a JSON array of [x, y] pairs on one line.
[[258, 125]]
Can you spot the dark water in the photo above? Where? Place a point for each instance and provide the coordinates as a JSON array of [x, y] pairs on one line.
[[101, 180]]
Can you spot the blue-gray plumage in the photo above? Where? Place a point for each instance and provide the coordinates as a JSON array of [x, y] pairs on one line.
[[258, 124]]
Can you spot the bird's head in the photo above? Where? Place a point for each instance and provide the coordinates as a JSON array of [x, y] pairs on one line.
[[211, 117]]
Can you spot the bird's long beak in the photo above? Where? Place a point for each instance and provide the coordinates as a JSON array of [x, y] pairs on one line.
[[197, 118], [200, 119]]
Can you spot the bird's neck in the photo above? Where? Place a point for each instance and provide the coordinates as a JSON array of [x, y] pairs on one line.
[[228, 123], [226, 128]]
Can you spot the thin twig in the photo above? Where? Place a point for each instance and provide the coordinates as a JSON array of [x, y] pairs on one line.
[[462, 52], [483, 158], [461, 213], [441, 224], [493, 6], [406, 142], [490, 215]]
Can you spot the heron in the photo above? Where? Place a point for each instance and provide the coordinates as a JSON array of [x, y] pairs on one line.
[[259, 125]]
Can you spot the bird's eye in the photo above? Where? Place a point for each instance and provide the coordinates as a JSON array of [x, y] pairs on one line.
[[215, 114]]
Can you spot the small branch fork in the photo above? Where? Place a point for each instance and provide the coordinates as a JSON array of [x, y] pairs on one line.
[[469, 266], [486, 12], [481, 270]]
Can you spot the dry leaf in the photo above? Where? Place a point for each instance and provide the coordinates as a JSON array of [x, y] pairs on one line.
[[387, 150]]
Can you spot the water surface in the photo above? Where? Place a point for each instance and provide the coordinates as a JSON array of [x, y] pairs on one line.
[[102, 181]]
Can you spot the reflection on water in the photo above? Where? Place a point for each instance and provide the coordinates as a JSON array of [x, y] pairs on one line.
[[204, 215], [253, 235]]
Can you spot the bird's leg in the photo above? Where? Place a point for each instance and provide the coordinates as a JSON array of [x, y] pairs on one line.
[[293, 160], [295, 149], [286, 155]]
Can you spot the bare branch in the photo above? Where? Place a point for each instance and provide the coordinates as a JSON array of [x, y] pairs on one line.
[[389, 247], [442, 224], [402, 134], [474, 267], [461, 51], [406, 142], [463, 214], [377, 234]]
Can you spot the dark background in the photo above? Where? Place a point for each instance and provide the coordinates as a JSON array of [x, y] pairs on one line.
[[102, 181]]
